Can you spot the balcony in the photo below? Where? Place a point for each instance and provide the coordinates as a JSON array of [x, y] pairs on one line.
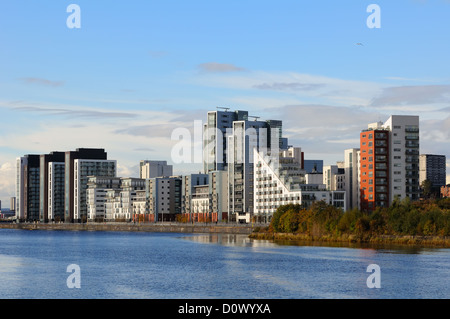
[[412, 144]]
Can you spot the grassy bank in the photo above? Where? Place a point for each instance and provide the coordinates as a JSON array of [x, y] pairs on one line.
[[426, 241], [424, 223]]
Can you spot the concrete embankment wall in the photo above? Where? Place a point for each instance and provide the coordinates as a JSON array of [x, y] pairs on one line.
[[162, 228]]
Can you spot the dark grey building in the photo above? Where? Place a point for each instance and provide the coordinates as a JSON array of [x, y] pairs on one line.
[[432, 168]]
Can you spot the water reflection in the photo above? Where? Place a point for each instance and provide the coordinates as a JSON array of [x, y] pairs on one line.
[[245, 241], [230, 240]]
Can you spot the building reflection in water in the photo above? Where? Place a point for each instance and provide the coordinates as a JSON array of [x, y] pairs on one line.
[[230, 240]]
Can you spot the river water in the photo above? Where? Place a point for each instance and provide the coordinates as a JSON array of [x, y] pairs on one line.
[[138, 265]]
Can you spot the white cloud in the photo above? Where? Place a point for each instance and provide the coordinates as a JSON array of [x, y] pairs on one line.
[[308, 88], [41, 81], [7, 181]]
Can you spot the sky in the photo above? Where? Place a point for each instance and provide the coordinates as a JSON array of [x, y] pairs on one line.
[[135, 71]]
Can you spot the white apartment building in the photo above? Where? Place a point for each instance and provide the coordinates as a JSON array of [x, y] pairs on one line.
[[200, 201], [150, 169], [333, 177], [96, 196], [83, 168], [276, 186], [404, 156]]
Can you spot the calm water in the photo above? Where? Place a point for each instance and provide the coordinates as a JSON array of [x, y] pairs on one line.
[[33, 264]]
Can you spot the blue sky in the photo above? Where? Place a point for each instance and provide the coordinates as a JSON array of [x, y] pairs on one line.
[[136, 70]]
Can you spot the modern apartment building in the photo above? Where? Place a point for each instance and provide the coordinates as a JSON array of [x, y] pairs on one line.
[[389, 161], [432, 168], [27, 188], [404, 156], [189, 182], [150, 169], [55, 190], [123, 204], [82, 174], [246, 138], [281, 183], [374, 167], [351, 171], [164, 197], [215, 142], [83, 168], [334, 177], [218, 192], [50, 186], [200, 204], [96, 196]]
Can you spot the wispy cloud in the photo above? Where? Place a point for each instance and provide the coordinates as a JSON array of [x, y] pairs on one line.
[[293, 86], [71, 113], [158, 54], [41, 81], [214, 67], [412, 95]]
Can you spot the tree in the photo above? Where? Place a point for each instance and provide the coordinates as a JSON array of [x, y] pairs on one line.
[[426, 188]]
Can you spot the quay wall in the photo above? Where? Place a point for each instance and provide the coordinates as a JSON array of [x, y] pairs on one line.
[[130, 227]]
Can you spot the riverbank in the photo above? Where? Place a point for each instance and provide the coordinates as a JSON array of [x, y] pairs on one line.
[[425, 241], [238, 229], [131, 227]]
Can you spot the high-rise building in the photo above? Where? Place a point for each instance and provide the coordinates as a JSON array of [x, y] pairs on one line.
[[50, 175], [351, 171], [83, 168], [246, 137], [69, 180], [27, 188], [229, 139], [432, 168], [215, 142], [404, 156], [150, 169], [55, 190], [374, 167], [389, 161]]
